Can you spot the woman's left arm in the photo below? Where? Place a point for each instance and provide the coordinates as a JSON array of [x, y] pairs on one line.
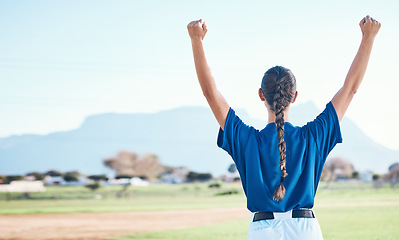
[[220, 107], [344, 96]]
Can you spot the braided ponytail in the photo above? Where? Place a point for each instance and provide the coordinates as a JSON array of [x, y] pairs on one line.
[[279, 87], [279, 108]]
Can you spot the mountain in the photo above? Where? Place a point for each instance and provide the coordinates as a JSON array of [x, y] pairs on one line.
[[180, 137]]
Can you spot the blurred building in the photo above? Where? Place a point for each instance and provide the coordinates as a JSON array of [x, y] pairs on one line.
[[175, 175], [23, 186]]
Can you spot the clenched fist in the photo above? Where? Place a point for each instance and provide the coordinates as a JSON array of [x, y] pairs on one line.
[[197, 29], [369, 26]]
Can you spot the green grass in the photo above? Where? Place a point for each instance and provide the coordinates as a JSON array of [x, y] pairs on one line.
[[355, 193], [119, 205], [231, 230], [152, 198], [360, 222]]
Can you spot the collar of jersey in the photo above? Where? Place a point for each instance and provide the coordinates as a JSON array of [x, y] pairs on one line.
[[271, 127]]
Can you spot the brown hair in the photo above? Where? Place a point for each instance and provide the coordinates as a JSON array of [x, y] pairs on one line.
[[279, 88]]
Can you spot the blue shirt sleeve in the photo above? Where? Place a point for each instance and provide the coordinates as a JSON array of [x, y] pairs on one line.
[[235, 137], [325, 130]]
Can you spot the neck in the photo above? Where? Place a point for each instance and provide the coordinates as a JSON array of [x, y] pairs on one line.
[[272, 115]]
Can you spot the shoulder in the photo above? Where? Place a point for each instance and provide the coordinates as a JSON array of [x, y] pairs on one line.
[[325, 129], [235, 136], [327, 116], [233, 120]]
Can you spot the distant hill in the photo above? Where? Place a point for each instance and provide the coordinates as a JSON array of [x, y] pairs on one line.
[[180, 137]]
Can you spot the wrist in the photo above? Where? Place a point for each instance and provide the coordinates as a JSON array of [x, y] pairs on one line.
[[368, 38], [196, 40]]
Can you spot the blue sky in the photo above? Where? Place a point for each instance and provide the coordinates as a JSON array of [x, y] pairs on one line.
[[61, 61]]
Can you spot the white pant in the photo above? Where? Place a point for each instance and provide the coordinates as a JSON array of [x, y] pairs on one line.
[[284, 227]]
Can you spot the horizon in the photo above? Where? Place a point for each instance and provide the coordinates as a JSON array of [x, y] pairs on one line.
[[241, 110]]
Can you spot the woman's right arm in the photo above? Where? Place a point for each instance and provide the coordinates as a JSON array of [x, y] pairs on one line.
[[220, 107], [343, 97]]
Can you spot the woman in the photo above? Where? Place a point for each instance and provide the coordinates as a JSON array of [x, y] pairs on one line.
[[280, 166]]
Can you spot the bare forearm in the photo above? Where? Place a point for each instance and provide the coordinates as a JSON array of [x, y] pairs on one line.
[[344, 96], [359, 66], [205, 78], [216, 101], [354, 78], [220, 107]]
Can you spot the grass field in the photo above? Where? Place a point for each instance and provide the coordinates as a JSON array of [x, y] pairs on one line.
[[154, 197], [344, 210]]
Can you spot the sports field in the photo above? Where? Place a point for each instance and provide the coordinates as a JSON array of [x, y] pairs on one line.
[[344, 210]]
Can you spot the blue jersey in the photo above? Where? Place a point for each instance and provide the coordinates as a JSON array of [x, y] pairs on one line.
[[257, 158]]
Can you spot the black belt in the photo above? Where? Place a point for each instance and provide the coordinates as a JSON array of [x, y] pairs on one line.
[[296, 213]]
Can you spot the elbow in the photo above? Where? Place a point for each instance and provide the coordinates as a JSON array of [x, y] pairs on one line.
[[206, 93], [209, 97], [209, 94], [353, 90], [350, 90]]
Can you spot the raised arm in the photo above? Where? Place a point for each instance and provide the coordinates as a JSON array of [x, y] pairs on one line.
[[343, 97], [219, 106]]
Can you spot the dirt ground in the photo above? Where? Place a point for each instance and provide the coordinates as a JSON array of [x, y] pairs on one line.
[[107, 225]]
